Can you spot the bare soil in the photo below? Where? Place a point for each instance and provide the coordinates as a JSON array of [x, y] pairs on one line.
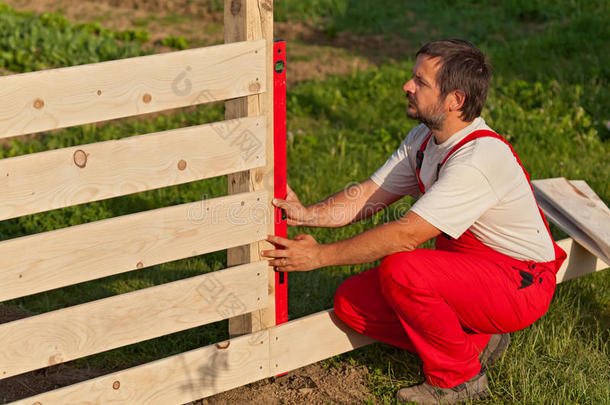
[[314, 384]]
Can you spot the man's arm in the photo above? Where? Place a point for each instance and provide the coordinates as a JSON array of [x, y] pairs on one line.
[[304, 253], [353, 204]]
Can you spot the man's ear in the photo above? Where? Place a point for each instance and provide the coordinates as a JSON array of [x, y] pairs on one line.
[[458, 98]]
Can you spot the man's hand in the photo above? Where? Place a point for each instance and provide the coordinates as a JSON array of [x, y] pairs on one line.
[[296, 213], [301, 254]]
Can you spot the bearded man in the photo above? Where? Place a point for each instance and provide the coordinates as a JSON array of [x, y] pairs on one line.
[[493, 269]]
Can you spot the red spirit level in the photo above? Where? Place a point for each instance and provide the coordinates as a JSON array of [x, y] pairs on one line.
[[279, 147]]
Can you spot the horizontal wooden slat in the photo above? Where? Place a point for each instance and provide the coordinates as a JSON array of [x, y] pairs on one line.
[[577, 210], [58, 98], [174, 380], [207, 371], [310, 339], [579, 262], [70, 176], [555, 216], [590, 215], [79, 331], [211, 370], [72, 255]]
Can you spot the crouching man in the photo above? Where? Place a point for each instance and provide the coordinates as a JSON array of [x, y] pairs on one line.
[[493, 269]]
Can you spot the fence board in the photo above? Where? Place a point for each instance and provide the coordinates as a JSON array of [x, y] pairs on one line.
[[579, 262], [86, 329], [582, 217], [310, 339], [72, 255], [58, 98], [246, 359], [207, 371], [252, 20], [64, 177], [174, 380]]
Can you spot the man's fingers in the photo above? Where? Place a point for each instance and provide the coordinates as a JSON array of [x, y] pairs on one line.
[[278, 266], [277, 263], [291, 195], [289, 190], [304, 236], [277, 240], [276, 253], [279, 203]]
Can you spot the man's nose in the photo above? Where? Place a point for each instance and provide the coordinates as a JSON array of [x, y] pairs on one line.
[[408, 86]]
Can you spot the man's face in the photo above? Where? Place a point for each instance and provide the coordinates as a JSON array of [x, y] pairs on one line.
[[425, 103]]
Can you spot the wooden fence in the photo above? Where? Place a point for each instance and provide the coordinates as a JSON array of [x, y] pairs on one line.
[[241, 147]]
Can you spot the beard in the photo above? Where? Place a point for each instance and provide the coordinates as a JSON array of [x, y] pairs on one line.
[[433, 117]]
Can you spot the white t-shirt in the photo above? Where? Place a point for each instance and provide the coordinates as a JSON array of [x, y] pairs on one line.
[[480, 188]]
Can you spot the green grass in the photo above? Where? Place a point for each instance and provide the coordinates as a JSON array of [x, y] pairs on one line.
[[532, 40], [178, 43], [29, 42], [549, 97]]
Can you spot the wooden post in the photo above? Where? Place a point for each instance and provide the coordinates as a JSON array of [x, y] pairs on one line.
[[247, 20]]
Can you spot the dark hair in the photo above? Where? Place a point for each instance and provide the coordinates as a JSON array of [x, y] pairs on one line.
[[463, 67]]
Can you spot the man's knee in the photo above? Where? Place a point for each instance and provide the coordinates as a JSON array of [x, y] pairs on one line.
[[340, 300], [345, 303], [345, 297], [404, 269]]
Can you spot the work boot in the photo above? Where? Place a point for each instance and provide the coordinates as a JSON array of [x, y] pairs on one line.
[[475, 388], [495, 348]]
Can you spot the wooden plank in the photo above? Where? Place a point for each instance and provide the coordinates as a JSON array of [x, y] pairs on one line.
[[61, 178], [58, 98], [584, 188], [80, 253], [82, 330], [566, 225], [249, 20], [310, 339], [207, 371], [579, 261], [175, 380], [590, 215]]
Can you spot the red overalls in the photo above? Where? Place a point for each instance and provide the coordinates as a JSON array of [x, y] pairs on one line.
[[444, 304]]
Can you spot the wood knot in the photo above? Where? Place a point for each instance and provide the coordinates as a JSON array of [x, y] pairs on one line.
[[37, 403], [254, 87], [267, 5], [116, 385], [223, 345], [139, 265], [38, 103], [99, 92], [235, 7], [80, 158], [55, 359], [146, 98], [182, 164]]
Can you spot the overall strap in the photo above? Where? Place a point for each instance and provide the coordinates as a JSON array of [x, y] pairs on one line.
[[419, 159], [487, 133]]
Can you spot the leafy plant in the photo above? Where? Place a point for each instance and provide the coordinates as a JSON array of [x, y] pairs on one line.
[[178, 43], [29, 42]]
